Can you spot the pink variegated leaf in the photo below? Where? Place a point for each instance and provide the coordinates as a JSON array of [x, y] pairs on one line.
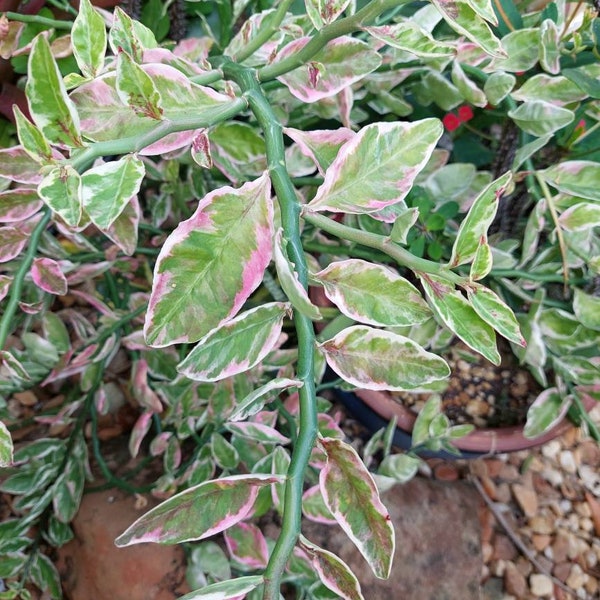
[[323, 12], [124, 230], [166, 57], [198, 512], [13, 366], [247, 545], [136, 88], [12, 241], [129, 35], [376, 359], [18, 204], [288, 279], [258, 432], [254, 401], [341, 63], [322, 146], [378, 167], [5, 283], [237, 345], [373, 294], [107, 188], [314, 507], [410, 37], [210, 264], [232, 589], [31, 308], [17, 165], [333, 572], [201, 150], [352, 497], [139, 431], [48, 276], [52, 110], [88, 271], [329, 427], [61, 191], [143, 393], [104, 116]]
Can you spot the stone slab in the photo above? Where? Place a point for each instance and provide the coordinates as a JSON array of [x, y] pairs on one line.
[[438, 543]]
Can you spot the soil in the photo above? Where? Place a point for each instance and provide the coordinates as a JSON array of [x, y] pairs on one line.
[[481, 393]]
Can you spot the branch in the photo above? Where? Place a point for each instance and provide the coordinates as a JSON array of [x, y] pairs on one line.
[[307, 431]]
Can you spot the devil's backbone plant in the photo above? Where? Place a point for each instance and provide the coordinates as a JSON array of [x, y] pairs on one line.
[[429, 166]]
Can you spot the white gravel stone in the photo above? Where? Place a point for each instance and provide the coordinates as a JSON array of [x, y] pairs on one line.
[[551, 449], [541, 585], [567, 461], [553, 477], [577, 578]]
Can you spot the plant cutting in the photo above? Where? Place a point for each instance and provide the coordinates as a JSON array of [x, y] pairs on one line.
[[165, 208]]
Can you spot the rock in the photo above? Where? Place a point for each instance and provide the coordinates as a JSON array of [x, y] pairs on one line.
[[526, 498], [503, 548], [541, 524], [562, 570], [437, 533], [567, 461], [560, 547], [540, 541], [515, 583], [577, 578], [541, 585], [91, 566]]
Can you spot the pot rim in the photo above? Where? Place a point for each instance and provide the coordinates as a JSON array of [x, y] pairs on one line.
[[484, 440]]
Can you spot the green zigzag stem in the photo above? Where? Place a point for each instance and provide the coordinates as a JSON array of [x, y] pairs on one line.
[[307, 432], [384, 244], [334, 30], [17, 285]]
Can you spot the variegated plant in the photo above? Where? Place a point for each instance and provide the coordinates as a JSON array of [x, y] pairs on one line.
[[215, 163]]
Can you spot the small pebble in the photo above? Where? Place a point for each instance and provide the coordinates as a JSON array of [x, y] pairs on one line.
[[541, 585], [515, 583], [526, 498], [567, 461], [577, 578]]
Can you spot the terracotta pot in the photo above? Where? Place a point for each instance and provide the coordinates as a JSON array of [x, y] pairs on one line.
[[479, 441]]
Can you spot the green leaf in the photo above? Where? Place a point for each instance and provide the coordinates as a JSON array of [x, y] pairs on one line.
[[403, 224], [550, 47], [587, 309], [589, 85], [484, 9], [6, 446], [556, 90], [483, 262], [410, 37], [580, 216], [127, 35], [473, 229], [498, 85], [522, 50], [107, 189], [45, 575], [528, 150], [61, 191], [136, 88], [198, 512], [400, 467], [68, 491], [12, 563], [431, 408], [496, 313], [288, 279], [468, 89], [225, 455], [377, 168], [351, 495], [461, 16], [540, 118], [382, 360], [88, 39], [236, 346], [335, 574], [547, 410], [575, 177], [373, 294], [226, 590], [32, 139], [454, 310], [52, 110], [211, 263], [323, 12]]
